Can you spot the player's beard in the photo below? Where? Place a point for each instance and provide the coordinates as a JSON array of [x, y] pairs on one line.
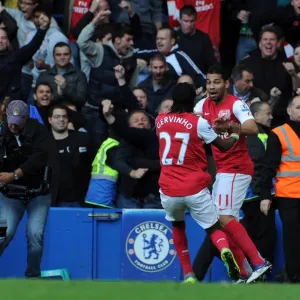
[[219, 97]]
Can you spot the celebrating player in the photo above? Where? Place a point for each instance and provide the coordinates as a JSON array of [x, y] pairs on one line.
[[184, 180], [234, 168]]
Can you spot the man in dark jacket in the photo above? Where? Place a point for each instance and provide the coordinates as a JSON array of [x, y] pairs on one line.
[[11, 61], [68, 83], [75, 154], [26, 149], [138, 174]]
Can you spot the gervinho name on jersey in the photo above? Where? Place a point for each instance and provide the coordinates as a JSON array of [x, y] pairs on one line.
[[174, 119]]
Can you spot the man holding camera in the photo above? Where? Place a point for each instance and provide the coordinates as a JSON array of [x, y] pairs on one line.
[[25, 151]]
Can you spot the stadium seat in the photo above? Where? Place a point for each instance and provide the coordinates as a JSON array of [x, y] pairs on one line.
[[56, 274]]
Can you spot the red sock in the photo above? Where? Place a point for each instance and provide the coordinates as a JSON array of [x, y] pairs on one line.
[[181, 246], [219, 239], [239, 235], [240, 258]]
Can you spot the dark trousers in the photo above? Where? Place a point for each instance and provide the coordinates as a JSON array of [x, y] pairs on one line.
[[261, 229], [289, 211]]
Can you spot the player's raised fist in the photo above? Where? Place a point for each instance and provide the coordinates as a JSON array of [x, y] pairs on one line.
[[107, 107]]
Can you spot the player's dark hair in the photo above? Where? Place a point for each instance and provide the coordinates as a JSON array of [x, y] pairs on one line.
[[101, 31], [60, 45], [217, 69], [46, 83], [42, 9], [121, 30], [237, 72], [183, 95], [57, 106], [188, 10], [140, 111], [256, 106], [271, 29], [158, 56]]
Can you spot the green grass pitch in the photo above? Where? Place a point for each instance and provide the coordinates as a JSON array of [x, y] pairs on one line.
[[85, 290]]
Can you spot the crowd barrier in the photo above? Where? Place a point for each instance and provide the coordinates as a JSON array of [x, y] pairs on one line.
[[105, 244]]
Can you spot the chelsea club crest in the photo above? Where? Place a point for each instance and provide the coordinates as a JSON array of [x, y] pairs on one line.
[[150, 247]]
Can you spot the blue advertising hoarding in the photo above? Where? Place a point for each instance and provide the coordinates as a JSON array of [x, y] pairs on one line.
[[149, 253]]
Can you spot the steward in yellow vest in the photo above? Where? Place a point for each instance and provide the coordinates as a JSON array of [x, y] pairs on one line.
[[102, 187]]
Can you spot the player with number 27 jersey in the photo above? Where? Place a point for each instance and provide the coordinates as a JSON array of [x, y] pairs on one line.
[[184, 180], [183, 157]]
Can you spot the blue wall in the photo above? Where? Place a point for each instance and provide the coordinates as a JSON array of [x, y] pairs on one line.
[[109, 245]]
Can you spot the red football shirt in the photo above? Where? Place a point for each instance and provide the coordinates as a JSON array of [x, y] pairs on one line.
[[183, 158], [237, 159], [80, 8]]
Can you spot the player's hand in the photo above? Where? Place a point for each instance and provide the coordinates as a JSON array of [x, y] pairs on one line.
[[60, 81], [138, 174], [6, 178], [101, 17], [290, 68], [201, 92], [265, 206], [41, 65], [44, 21], [71, 126], [119, 72], [107, 107], [235, 128], [243, 15], [275, 92], [220, 125], [141, 63]]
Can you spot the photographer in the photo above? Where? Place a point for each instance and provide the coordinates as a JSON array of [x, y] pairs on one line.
[[25, 150]]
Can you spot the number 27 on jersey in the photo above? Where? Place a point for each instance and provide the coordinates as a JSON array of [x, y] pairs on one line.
[[184, 137]]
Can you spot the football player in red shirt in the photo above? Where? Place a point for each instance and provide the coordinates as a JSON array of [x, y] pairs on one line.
[[234, 167], [183, 180]]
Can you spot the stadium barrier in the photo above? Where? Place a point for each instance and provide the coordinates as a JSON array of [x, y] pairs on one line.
[[104, 244]]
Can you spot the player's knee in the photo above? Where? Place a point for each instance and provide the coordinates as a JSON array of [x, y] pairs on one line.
[[224, 220], [213, 228], [178, 224]]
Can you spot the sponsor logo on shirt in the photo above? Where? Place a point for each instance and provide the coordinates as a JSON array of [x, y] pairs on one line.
[[244, 107]]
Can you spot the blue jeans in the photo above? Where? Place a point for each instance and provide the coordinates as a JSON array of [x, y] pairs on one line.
[[12, 210], [244, 47], [130, 202]]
